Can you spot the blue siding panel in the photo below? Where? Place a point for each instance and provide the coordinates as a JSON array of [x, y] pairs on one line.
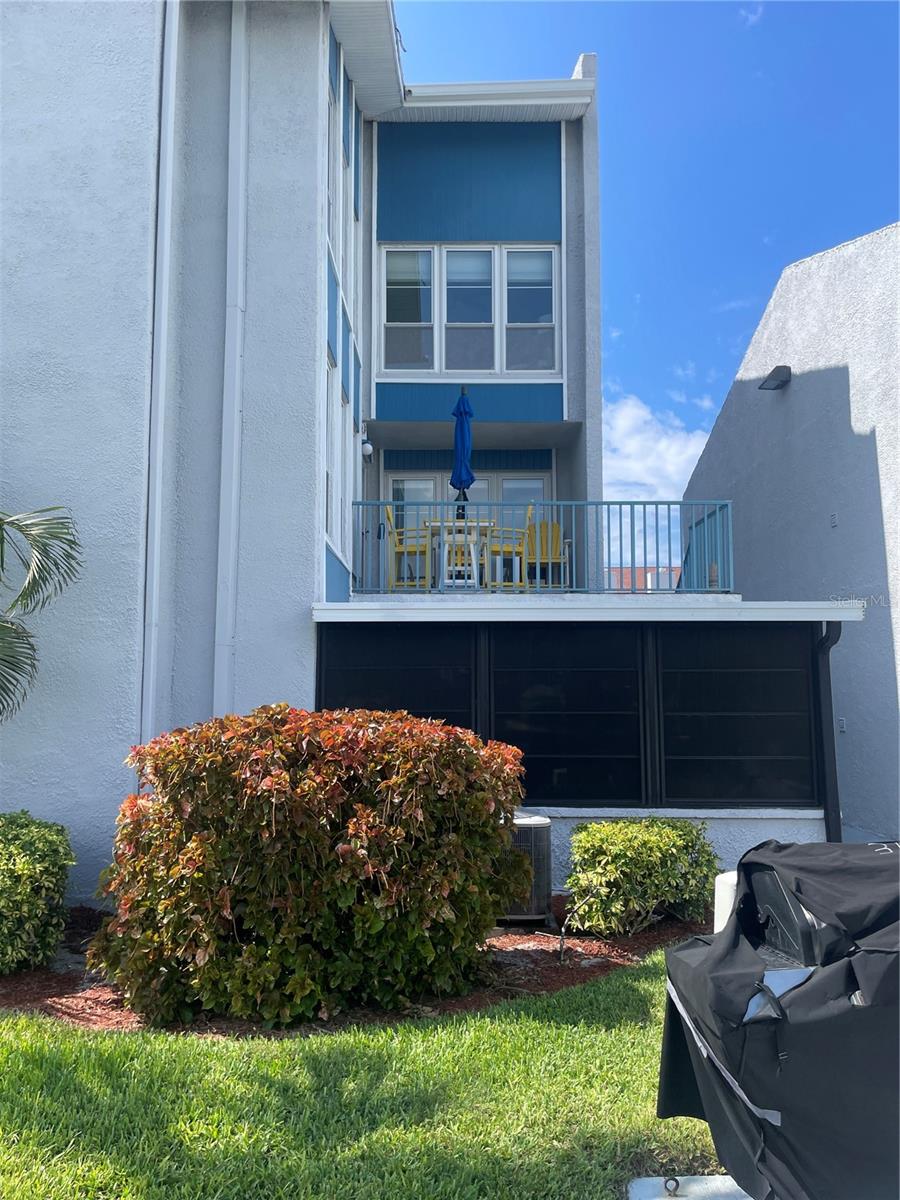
[[332, 60], [347, 117], [337, 579], [490, 401], [357, 388], [457, 182], [482, 460], [332, 312], [345, 354]]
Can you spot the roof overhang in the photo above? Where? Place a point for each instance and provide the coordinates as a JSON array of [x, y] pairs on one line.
[[486, 435], [367, 32], [530, 100], [646, 608]]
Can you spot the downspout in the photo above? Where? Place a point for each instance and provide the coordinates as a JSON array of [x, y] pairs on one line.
[[831, 800], [232, 383], [159, 369]]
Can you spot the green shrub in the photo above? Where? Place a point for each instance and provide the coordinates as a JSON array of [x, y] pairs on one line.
[[627, 873], [286, 864], [35, 857]]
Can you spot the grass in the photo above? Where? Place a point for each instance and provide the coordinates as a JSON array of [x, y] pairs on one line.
[[551, 1098]]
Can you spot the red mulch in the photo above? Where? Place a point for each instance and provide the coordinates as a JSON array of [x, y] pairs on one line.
[[522, 962]]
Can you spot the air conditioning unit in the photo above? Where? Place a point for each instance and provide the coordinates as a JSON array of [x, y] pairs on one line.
[[532, 834]]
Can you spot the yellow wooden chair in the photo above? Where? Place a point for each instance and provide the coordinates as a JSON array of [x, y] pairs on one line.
[[409, 555], [544, 550], [507, 543]]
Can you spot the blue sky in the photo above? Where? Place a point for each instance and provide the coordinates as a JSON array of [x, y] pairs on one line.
[[734, 138]]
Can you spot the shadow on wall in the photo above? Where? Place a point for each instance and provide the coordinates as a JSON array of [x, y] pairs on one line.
[[809, 524]]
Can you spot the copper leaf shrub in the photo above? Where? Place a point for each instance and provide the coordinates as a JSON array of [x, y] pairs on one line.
[[35, 857], [627, 873], [286, 864]]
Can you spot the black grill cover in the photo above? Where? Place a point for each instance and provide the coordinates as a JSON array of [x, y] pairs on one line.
[[795, 1073]]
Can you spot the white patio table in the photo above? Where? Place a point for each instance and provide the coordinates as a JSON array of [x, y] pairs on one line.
[[455, 570]]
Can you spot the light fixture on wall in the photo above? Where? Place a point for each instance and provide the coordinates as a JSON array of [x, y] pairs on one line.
[[777, 378], [367, 450]]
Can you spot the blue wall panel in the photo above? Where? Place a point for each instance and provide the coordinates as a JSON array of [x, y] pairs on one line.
[[332, 312], [357, 389], [332, 60], [345, 354], [347, 117], [337, 578], [482, 460], [458, 182], [490, 401]]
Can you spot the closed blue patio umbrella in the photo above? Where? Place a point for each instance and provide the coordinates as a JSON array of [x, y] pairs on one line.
[[462, 477]]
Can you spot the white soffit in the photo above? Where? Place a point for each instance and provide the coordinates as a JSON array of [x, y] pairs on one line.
[[367, 33], [528, 100], [594, 608]]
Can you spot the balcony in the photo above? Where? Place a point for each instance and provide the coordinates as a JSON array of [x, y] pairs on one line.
[[540, 549]]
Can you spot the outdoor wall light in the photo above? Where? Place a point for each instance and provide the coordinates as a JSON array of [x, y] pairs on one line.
[[777, 378], [367, 450]]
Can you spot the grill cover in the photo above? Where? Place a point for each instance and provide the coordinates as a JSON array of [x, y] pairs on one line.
[[782, 1032]]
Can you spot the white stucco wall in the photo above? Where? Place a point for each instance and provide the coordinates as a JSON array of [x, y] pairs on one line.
[[80, 144], [79, 113], [281, 546], [814, 473], [731, 832]]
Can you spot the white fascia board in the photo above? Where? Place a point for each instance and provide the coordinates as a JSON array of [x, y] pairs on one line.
[[599, 608], [528, 92]]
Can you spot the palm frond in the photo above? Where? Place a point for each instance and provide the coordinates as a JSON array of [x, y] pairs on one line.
[[45, 542], [18, 665]]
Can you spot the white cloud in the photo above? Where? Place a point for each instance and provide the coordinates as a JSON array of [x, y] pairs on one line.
[[677, 396], [615, 333], [646, 455], [705, 402], [685, 370], [751, 16], [768, 239], [733, 305], [712, 375]]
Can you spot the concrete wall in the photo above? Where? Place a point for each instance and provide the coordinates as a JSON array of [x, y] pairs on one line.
[[814, 473], [79, 121]]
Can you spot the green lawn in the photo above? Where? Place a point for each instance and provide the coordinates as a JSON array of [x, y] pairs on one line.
[[545, 1098]]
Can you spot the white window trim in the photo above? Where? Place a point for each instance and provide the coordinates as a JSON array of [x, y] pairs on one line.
[[494, 476], [499, 373]]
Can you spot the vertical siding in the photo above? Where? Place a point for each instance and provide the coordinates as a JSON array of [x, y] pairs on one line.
[[455, 182]]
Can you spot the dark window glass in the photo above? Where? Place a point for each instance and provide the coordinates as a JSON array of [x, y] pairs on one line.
[[555, 779], [568, 695], [718, 781], [426, 669], [736, 720]]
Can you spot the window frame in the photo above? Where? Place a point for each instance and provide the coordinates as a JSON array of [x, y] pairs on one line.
[[499, 372]]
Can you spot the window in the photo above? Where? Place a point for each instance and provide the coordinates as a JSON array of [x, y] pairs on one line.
[[470, 309], [469, 326], [530, 333], [408, 328]]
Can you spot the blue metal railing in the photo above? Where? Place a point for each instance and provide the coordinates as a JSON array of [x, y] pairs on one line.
[[586, 546]]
